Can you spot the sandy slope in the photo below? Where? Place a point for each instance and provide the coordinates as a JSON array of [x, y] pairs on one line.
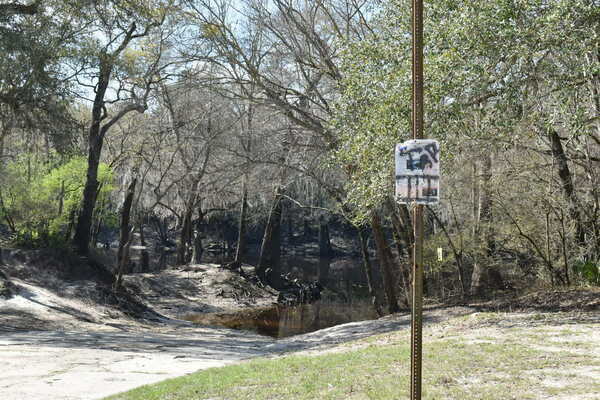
[[69, 339], [58, 344], [92, 364]]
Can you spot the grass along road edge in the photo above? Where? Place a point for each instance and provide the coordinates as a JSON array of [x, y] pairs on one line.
[[480, 356]]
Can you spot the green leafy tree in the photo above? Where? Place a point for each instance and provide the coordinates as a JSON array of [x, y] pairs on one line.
[[514, 81], [122, 57], [40, 202], [63, 187], [35, 41]]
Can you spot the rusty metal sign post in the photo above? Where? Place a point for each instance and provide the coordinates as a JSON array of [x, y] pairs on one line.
[[416, 335], [417, 184]]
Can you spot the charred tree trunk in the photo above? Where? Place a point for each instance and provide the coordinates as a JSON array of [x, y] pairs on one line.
[[385, 260], [324, 268], [198, 249], [145, 258], [290, 227], [125, 237], [270, 250], [324, 240], [363, 237]]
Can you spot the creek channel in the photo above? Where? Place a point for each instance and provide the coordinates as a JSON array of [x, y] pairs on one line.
[[344, 299]]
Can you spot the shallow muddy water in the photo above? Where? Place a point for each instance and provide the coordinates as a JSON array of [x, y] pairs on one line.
[[284, 321], [345, 299]]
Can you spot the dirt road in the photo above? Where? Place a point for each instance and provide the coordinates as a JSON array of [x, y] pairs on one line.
[[90, 365], [60, 339], [79, 365]]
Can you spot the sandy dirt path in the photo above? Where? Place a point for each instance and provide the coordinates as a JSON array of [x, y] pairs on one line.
[[83, 365], [75, 365]]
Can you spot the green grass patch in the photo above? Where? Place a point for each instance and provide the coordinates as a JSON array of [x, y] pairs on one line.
[[452, 369]]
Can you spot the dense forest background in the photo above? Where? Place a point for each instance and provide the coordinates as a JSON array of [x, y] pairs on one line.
[[190, 117]]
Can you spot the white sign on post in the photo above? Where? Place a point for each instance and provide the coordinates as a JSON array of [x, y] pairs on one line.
[[418, 171]]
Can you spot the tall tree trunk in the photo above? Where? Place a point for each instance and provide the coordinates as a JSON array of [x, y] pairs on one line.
[[145, 258], [125, 237], [363, 237], [474, 199], [61, 198], [404, 270], [84, 223], [403, 240], [385, 260], [592, 173], [96, 231], [458, 255], [477, 276], [96, 134], [198, 249], [324, 240], [241, 243], [567, 186], [7, 217], [97, 224], [290, 227], [477, 271], [486, 216], [406, 234], [72, 215], [270, 250], [185, 238], [484, 233], [565, 253], [324, 268], [6, 129]]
